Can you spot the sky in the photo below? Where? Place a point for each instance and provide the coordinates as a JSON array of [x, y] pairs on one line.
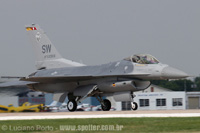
[[101, 31]]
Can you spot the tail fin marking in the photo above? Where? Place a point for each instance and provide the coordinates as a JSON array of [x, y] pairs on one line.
[[46, 54]]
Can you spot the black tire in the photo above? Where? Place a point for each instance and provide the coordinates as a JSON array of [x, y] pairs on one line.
[[71, 105], [106, 106], [134, 106]]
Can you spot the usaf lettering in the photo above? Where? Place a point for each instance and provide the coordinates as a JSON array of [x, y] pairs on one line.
[[46, 48]]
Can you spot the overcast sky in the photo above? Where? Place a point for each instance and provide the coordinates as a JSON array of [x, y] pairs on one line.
[[101, 31]]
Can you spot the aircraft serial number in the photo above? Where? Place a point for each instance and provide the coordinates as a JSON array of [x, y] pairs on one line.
[[50, 56]]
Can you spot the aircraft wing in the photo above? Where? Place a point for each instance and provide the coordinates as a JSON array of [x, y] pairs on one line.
[[75, 78]]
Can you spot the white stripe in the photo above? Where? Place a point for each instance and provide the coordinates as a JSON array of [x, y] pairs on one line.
[[99, 116]]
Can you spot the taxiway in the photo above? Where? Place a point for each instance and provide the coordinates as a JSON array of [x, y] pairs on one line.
[[99, 114]]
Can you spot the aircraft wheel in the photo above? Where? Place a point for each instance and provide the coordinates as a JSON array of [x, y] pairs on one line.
[[71, 105], [134, 105], [106, 106]]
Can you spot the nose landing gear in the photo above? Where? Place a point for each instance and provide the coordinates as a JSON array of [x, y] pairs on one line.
[[134, 105]]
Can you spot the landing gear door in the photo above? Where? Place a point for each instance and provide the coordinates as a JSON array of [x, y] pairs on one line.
[[84, 90], [60, 97]]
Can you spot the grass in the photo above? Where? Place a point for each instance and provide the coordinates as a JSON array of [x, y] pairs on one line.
[[190, 124]]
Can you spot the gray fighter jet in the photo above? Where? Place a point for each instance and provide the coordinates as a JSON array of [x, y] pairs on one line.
[[77, 81]]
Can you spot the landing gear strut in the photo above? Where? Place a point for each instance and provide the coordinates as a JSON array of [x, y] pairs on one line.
[[134, 105], [105, 104]]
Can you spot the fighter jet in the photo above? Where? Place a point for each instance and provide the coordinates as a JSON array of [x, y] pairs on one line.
[[77, 81]]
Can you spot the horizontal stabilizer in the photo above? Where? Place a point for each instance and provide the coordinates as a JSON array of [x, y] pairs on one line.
[[10, 77], [16, 83]]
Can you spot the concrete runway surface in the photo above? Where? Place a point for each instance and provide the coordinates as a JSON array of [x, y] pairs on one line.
[[99, 114]]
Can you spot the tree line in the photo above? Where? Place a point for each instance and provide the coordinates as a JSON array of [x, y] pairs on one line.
[[179, 85]]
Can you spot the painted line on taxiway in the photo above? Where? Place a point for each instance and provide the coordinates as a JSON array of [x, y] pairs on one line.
[[99, 116]]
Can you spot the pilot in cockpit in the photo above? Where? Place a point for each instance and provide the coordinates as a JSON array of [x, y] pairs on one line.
[[143, 59], [136, 59]]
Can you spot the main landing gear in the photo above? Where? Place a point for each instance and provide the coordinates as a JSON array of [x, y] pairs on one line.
[[72, 105], [105, 104]]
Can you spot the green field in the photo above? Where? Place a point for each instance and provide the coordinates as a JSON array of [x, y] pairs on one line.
[[191, 124]]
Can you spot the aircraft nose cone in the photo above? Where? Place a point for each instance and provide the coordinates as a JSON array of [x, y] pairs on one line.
[[172, 73]]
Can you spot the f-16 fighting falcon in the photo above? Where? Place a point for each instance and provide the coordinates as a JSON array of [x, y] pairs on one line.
[[77, 81]]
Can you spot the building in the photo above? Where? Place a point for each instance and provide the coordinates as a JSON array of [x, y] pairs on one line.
[[9, 100], [192, 100], [155, 98]]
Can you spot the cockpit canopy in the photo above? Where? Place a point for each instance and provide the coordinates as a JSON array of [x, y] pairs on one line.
[[142, 59]]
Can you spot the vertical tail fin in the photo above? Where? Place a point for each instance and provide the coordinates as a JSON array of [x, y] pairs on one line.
[[46, 54]]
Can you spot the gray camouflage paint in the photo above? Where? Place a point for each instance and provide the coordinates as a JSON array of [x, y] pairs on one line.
[[116, 68]]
